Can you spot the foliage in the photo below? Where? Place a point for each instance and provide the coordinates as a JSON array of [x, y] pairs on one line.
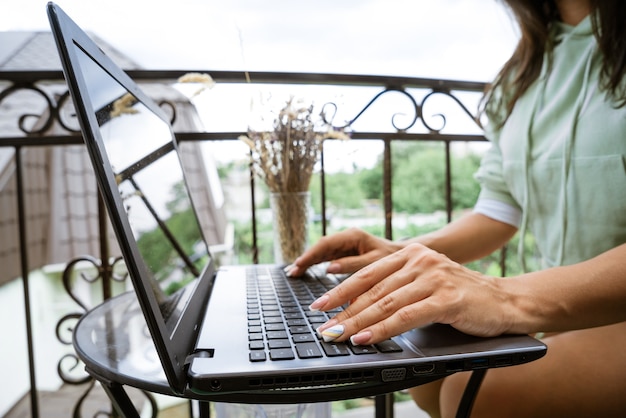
[[156, 248], [418, 181], [418, 188]]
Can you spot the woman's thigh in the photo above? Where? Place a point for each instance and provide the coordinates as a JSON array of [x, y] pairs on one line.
[[583, 374]]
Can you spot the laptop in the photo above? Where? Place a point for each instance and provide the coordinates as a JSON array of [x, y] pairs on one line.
[[238, 332]]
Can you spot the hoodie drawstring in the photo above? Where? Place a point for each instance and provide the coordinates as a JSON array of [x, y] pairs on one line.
[[566, 157]]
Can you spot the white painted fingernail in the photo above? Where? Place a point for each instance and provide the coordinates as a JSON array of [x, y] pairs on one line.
[[332, 333]]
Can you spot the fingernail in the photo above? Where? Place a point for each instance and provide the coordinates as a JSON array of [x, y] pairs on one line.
[[289, 269], [361, 338], [333, 268], [332, 333], [327, 324], [319, 303]]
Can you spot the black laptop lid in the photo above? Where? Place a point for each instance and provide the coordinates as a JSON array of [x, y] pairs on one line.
[[141, 178]]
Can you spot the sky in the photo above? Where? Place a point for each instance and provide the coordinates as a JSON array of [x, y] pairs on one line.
[[443, 39], [453, 39]]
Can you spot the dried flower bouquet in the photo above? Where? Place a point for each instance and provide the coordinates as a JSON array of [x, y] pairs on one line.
[[285, 158]]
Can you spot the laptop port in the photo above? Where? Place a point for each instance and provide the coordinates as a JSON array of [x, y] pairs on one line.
[[424, 368], [478, 363], [393, 375], [215, 385], [454, 366], [503, 361]]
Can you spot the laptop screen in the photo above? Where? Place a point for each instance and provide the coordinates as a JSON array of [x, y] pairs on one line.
[[149, 176]]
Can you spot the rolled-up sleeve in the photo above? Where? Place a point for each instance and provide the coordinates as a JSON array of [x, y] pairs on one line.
[[495, 199]]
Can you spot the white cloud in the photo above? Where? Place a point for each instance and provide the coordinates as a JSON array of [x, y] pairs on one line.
[[462, 39]]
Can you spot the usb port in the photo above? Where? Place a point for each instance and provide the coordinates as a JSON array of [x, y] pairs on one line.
[[479, 363], [454, 366], [504, 361]]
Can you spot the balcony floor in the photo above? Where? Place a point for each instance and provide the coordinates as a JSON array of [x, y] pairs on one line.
[[60, 404]]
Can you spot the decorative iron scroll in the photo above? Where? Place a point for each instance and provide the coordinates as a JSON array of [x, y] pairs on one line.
[[416, 109], [105, 274], [461, 105], [53, 110], [21, 123], [58, 107], [329, 111]]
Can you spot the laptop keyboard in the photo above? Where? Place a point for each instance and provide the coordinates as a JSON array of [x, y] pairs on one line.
[[280, 324]]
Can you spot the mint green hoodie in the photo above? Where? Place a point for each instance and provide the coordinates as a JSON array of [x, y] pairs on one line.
[[560, 156]]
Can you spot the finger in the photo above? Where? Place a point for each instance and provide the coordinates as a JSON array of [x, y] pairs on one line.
[[408, 317], [362, 289], [352, 263], [326, 249], [383, 326]]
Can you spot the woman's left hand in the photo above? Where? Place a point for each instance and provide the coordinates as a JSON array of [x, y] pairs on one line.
[[413, 287]]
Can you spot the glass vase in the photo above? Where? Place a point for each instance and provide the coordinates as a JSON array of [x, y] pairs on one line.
[[291, 216]]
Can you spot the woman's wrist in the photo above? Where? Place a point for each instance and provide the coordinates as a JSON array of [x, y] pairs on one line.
[[530, 307]]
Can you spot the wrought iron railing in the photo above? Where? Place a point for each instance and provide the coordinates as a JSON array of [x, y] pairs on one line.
[[411, 123]]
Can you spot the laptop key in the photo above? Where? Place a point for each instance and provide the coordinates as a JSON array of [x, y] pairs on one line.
[[256, 345], [274, 320], [335, 349], [299, 329], [308, 350], [276, 335], [255, 337], [388, 346], [279, 344], [296, 322], [302, 338], [362, 349], [257, 356], [282, 354]]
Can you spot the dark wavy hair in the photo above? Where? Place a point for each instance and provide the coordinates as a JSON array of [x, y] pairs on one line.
[[535, 18]]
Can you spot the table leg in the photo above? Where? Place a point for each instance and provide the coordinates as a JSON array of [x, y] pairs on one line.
[[120, 400], [469, 395], [383, 405]]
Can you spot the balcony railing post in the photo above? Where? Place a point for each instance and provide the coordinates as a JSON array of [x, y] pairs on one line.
[[448, 182], [323, 193], [387, 181], [105, 254], [23, 238]]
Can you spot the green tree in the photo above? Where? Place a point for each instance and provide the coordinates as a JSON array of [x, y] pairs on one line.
[[342, 191], [157, 249], [418, 179]]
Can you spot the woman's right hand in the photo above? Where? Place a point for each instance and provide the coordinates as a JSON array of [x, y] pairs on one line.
[[347, 251]]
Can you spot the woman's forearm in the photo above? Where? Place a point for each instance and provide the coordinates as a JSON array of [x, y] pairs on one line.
[[468, 238], [587, 294]]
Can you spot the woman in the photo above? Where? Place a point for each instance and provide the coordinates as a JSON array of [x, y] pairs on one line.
[[556, 169]]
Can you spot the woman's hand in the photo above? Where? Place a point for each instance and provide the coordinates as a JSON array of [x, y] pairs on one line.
[[348, 250], [410, 288]]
